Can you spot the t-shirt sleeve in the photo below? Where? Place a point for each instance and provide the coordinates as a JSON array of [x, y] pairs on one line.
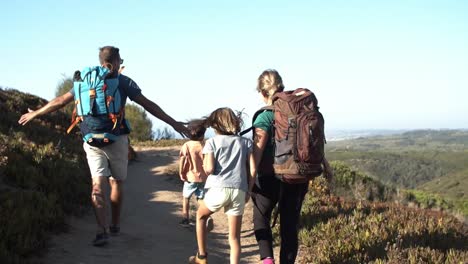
[[264, 121], [209, 147], [129, 86]]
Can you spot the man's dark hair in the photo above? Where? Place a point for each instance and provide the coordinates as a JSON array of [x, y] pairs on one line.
[[108, 54]]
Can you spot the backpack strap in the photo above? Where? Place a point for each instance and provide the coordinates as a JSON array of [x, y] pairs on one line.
[[75, 120], [258, 112], [245, 131]]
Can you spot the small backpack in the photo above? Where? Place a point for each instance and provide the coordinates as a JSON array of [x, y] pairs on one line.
[[299, 137], [98, 106]]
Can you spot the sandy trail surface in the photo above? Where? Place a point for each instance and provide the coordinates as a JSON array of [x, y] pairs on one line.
[[149, 224]]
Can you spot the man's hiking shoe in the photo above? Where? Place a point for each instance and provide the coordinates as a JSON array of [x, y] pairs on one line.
[[114, 230], [197, 259], [209, 224], [101, 240], [184, 223]]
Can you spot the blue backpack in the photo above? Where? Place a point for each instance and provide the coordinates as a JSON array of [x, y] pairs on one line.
[[98, 106]]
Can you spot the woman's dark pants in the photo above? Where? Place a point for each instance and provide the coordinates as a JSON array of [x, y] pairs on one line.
[[267, 193]]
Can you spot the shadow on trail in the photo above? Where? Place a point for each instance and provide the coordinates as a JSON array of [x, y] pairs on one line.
[[150, 232], [163, 197]]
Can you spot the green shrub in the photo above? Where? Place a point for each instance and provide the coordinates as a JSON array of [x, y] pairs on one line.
[[31, 217], [162, 143], [43, 177], [339, 230], [428, 200], [140, 123]]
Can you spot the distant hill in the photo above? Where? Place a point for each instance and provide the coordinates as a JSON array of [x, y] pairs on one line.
[[430, 160], [452, 185], [346, 134], [451, 140]]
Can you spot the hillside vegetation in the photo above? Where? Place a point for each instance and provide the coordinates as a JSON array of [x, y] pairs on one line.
[[432, 162], [361, 220], [347, 231], [43, 177]]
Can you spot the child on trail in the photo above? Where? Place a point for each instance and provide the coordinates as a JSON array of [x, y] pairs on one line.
[[191, 168], [230, 166]]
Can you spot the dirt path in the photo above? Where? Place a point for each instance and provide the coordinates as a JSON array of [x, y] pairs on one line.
[[150, 230]]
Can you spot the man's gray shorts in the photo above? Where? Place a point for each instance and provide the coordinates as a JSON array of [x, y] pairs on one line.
[[111, 160]]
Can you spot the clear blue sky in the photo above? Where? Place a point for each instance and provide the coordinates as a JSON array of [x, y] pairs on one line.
[[372, 64]]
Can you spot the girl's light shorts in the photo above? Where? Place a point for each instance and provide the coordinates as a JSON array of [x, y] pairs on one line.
[[233, 200]]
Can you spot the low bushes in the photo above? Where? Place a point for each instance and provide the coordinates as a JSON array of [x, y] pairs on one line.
[[354, 230], [43, 177]]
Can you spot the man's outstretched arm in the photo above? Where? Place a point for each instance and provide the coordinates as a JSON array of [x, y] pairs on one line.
[[51, 106], [157, 112]]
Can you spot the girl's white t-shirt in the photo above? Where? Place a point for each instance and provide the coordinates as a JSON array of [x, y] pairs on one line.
[[230, 168]]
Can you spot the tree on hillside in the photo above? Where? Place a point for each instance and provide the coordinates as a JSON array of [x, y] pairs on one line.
[[140, 124], [164, 133], [64, 86]]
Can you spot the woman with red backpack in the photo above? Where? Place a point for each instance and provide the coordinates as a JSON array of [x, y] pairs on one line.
[[269, 190]]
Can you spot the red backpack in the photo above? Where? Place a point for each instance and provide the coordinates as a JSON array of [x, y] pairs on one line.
[[299, 140]]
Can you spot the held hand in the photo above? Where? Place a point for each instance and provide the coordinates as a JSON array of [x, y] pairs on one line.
[[180, 127], [31, 114]]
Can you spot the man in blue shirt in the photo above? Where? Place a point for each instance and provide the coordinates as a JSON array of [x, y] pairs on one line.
[[108, 164]]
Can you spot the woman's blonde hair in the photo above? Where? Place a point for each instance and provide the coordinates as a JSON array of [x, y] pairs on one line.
[[269, 83], [225, 121]]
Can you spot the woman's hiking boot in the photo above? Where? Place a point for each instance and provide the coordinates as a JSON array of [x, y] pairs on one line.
[[114, 230], [197, 259]]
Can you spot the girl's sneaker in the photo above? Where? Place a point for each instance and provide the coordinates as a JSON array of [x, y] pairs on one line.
[[184, 223], [268, 261], [197, 259]]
